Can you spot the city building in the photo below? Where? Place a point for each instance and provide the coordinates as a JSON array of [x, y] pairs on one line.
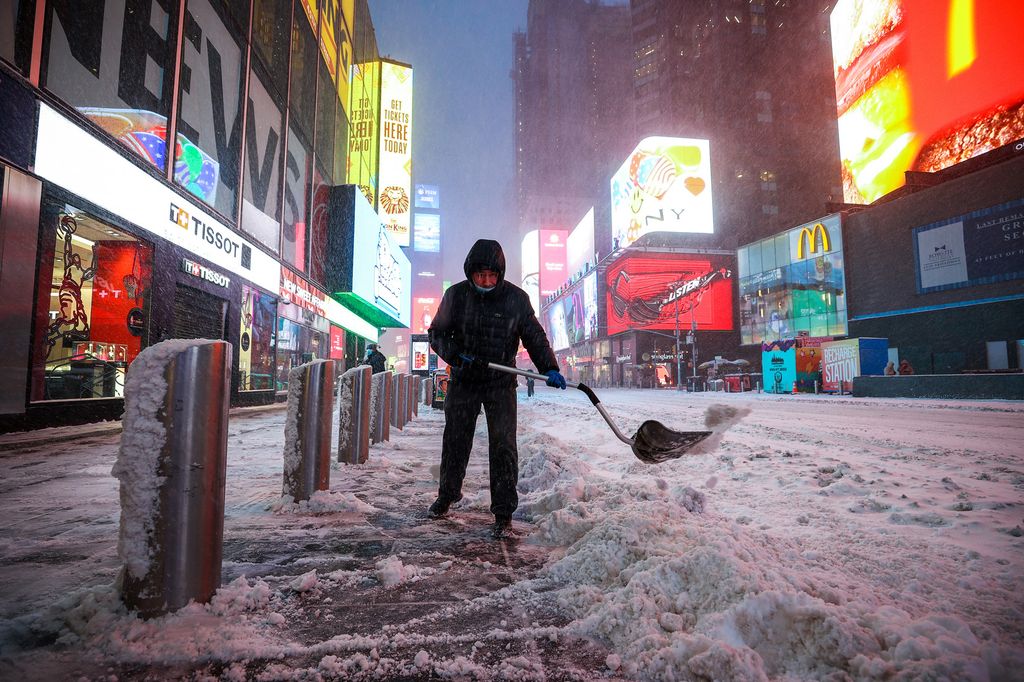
[[114, 240]]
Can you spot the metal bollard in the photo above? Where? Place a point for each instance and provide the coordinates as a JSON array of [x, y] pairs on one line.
[[428, 391], [397, 394], [307, 434], [410, 396], [354, 415], [380, 412], [172, 466], [414, 400]]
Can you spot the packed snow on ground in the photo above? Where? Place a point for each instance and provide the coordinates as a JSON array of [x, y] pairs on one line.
[[812, 537]]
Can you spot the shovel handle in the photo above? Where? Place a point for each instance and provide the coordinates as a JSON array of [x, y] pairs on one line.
[[583, 387], [541, 377]]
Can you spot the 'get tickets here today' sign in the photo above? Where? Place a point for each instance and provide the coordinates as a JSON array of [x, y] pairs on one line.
[[396, 149]]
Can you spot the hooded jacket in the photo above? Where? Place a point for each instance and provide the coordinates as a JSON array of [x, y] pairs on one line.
[[488, 325]]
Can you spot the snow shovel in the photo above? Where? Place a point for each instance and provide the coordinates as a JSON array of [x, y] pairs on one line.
[[653, 443]]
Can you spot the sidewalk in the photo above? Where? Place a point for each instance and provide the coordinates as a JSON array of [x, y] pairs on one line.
[[354, 585]]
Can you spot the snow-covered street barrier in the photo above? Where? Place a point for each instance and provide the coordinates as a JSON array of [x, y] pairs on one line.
[[822, 537], [307, 433], [171, 467]]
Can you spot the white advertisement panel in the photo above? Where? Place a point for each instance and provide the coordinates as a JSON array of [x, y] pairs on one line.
[[72, 158], [590, 305], [396, 149], [942, 256], [531, 267], [663, 186], [387, 283], [580, 245]]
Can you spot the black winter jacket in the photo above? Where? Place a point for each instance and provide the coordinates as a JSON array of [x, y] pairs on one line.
[[488, 325]]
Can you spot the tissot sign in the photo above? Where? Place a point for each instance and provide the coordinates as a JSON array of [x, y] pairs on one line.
[[72, 158]]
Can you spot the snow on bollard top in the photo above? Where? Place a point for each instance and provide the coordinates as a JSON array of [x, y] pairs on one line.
[[142, 440]]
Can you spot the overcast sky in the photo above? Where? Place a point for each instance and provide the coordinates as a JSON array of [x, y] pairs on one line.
[[461, 53]]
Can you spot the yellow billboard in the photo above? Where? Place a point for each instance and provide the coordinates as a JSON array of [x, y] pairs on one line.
[[363, 147], [335, 40], [396, 149]]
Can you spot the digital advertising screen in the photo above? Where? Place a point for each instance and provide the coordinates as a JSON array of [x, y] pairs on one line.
[[575, 325], [552, 260], [778, 365], [590, 305], [396, 149], [922, 85], [645, 292], [556, 327], [420, 356], [427, 196], [386, 284], [363, 145], [423, 309], [580, 244], [426, 232], [530, 263], [664, 186]]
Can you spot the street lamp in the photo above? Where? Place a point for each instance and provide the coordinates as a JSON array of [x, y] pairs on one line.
[[679, 360]]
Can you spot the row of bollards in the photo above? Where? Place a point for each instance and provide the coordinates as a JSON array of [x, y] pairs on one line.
[[173, 457]]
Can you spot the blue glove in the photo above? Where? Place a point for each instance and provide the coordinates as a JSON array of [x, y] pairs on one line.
[[556, 380], [471, 361]]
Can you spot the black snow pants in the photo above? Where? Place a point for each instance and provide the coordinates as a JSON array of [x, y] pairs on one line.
[[461, 409]]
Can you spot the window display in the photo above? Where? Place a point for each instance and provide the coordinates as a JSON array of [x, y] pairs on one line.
[[92, 307], [256, 341]]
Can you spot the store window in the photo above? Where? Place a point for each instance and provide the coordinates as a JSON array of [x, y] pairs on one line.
[[302, 336], [256, 341], [17, 18], [211, 113], [92, 310], [114, 62]]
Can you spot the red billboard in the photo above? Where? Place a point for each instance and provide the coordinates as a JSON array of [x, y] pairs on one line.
[[644, 292], [423, 309], [553, 259], [337, 351]]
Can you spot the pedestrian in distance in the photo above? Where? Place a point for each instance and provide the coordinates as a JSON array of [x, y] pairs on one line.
[[482, 320], [890, 369], [375, 359], [529, 387], [905, 367]]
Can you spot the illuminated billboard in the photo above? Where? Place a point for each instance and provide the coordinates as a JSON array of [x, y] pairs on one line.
[[590, 305], [530, 264], [366, 269], [663, 186], [427, 196], [556, 327], [395, 149], [363, 148], [645, 292], [922, 85], [426, 232], [552, 260], [580, 244], [423, 309]]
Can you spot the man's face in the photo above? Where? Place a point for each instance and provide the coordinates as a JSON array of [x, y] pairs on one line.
[[485, 279]]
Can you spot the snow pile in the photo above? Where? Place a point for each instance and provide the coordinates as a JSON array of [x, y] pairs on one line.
[[322, 502], [138, 459], [391, 572]]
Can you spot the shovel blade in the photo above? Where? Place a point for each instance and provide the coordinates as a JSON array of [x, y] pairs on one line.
[[654, 442]]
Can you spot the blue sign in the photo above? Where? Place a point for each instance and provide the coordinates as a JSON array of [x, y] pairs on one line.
[[428, 196], [977, 248], [778, 365], [426, 229]]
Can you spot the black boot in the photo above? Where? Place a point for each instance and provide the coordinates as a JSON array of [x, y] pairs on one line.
[[440, 507], [502, 527]]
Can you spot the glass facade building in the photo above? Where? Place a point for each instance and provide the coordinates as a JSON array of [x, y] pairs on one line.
[[793, 284]]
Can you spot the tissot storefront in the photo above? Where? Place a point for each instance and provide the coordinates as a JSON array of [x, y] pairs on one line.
[[119, 266]]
